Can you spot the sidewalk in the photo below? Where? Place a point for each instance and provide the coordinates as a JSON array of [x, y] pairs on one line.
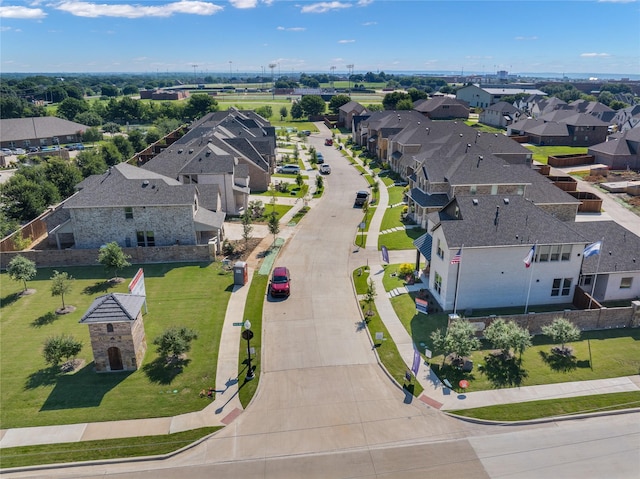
[[435, 393], [220, 412]]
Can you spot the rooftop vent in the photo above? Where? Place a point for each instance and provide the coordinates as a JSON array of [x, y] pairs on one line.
[[475, 201], [145, 183], [506, 201], [190, 150], [180, 150]]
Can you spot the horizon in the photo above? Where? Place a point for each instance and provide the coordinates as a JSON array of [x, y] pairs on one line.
[[233, 36]]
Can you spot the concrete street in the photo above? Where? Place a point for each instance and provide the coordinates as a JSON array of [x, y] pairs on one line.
[[325, 408]]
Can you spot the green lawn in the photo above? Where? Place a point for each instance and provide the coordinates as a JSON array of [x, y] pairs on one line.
[[396, 194], [387, 350], [177, 294], [556, 407], [542, 153], [392, 218], [598, 355], [101, 449], [399, 240]]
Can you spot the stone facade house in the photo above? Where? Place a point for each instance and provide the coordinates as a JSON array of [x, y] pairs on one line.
[[117, 332], [561, 127], [485, 95], [136, 207]]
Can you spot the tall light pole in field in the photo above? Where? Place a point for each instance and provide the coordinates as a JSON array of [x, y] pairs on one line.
[[195, 76], [273, 85], [350, 68], [333, 85]]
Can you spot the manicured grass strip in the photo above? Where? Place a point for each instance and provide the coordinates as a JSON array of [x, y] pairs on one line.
[[554, 407], [399, 240], [360, 279], [299, 215], [252, 312], [388, 352], [101, 449], [392, 218]]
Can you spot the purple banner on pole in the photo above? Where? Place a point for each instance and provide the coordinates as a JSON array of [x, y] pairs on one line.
[[415, 367], [385, 254]]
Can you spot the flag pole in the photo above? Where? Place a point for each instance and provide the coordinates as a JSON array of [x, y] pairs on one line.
[[455, 298], [533, 260], [595, 277]]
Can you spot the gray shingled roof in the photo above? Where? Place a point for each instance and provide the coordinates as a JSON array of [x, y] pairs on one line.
[[492, 221], [620, 249], [114, 308], [126, 185], [18, 129]]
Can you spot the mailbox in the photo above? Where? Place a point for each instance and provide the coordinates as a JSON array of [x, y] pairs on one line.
[[240, 273]]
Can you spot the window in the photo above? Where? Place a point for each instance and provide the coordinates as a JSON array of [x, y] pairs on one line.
[[145, 238], [566, 252], [543, 253], [440, 252], [555, 252], [625, 283], [494, 189], [437, 283], [561, 286], [586, 280], [128, 212], [109, 328]]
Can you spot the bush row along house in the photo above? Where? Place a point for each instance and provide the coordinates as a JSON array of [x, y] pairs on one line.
[[478, 194], [180, 197]]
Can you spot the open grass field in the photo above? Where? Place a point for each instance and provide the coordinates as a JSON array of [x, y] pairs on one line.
[[33, 394]]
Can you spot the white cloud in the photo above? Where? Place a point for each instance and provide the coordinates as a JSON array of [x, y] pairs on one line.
[[617, 1], [14, 11], [591, 55], [291, 29], [364, 3], [95, 10], [346, 41], [526, 38], [244, 3], [369, 24], [323, 7]]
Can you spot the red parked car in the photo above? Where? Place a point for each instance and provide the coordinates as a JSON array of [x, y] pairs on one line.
[[328, 142], [280, 282]]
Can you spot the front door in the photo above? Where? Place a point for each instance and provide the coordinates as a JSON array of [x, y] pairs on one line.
[[115, 359]]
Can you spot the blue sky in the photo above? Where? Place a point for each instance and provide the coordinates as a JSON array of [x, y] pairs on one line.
[[241, 36]]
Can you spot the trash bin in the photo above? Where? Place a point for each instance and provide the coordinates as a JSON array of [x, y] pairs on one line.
[[240, 273]]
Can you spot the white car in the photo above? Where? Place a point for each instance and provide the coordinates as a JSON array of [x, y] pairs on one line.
[[325, 169]]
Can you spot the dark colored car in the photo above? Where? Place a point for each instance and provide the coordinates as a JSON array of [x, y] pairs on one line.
[[362, 197], [280, 282], [328, 142]]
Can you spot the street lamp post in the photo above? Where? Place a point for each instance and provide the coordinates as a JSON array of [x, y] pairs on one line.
[[247, 334]]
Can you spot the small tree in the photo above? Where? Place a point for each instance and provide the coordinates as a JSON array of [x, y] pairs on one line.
[[375, 188], [113, 258], [562, 331], [21, 269], [370, 296], [459, 340], [247, 228], [406, 269], [299, 180], [174, 342], [256, 209], [274, 225], [283, 113], [506, 336], [61, 348], [61, 285], [319, 182]]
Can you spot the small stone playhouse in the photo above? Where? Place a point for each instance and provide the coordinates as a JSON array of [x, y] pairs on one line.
[[117, 332]]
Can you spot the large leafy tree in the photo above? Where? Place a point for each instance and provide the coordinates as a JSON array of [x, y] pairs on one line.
[[70, 108], [199, 105], [113, 258], [391, 100], [312, 105], [90, 163], [21, 269], [124, 146], [174, 342], [110, 153], [337, 101], [25, 196], [64, 175], [296, 111]]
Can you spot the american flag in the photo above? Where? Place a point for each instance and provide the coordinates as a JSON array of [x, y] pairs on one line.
[[457, 257]]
